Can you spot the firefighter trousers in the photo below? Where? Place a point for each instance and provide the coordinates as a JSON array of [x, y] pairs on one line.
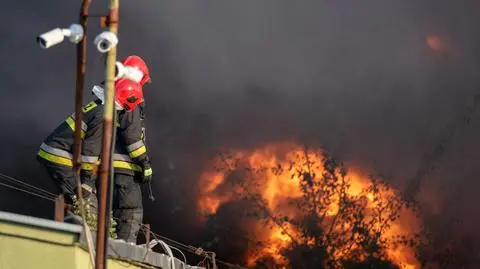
[[127, 207], [63, 177]]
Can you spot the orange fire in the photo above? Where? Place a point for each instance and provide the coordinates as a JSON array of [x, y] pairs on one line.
[[435, 43], [276, 175]]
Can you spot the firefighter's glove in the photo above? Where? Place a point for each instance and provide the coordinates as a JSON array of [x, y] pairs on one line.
[[147, 173], [88, 183], [87, 191]]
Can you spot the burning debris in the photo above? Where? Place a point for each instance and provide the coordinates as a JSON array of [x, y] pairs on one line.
[[305, 209]]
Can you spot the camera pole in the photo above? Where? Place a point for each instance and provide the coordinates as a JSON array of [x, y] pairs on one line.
[[101, 255], [80, 81]]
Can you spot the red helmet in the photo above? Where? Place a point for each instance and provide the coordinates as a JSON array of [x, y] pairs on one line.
[[128, 94], [139, 63]]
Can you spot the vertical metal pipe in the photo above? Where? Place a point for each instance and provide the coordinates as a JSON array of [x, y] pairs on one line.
[[81, 67], [111, 176], [59, 208], [80, 82], [101, 255], [147, 234]]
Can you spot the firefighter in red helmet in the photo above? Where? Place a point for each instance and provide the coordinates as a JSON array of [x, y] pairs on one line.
[[128, 176], [138, 63], [56, 150]]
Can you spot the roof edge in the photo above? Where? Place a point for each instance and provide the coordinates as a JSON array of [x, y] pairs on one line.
[[40, 223]]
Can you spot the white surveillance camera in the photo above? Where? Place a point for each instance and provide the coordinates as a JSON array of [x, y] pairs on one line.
[[128, 72], [57, 35], [105, 41], [120, 70], [74, 33]]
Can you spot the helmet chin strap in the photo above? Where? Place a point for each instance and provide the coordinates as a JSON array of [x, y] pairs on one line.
[[99, 93]]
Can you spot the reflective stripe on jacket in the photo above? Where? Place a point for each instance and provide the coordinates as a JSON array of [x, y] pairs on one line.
[[130, 148], [58, 146]]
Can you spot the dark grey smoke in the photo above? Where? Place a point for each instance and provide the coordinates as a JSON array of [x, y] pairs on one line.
[[353, 76]]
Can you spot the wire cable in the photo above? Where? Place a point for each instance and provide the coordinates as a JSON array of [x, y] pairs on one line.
[[177, 244], [184, 257], [51, 197], [47, 193], [28, 192], [173, 244], [445, 138], [194, 250]]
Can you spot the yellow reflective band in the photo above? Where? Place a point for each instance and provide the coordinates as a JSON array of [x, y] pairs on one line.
[[88, 166], [55, 159], [141, 150], [148, 172], [127, 165], [71, 123], [91, 105]]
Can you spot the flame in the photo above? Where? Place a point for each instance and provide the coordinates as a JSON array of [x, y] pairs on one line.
[[211, 181], [435, 43], [277, 239], [270, 177]]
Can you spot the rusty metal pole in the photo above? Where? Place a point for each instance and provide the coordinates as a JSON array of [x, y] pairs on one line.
[[147, 234], [59, 208], [77, 147], [101, 246], [81, 68]]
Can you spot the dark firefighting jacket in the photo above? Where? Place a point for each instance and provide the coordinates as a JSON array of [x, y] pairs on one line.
[[130, 155], [57, 148]]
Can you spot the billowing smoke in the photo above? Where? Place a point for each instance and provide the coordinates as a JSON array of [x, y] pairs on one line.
[[358, 78]]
